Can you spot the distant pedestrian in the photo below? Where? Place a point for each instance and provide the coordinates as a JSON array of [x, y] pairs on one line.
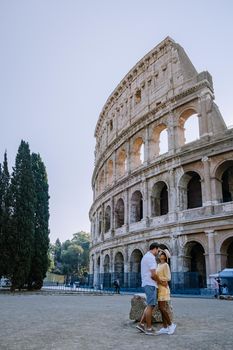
[[116, 284]]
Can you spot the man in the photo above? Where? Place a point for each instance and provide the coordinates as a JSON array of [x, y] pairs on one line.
[[149, 283]]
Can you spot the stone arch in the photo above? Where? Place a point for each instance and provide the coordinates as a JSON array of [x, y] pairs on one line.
[[135, 260], [226, 251], [159, 144], [159, 199], [119, 213], [107, 219], [100, 222], [137, 153], [106, 264], [101, 181], [107, 274], [185, 136], [121, 162], [110, 172], [119, 267], [135, 268], [224, 181], [136, 207], [194, 262], [190, 191]]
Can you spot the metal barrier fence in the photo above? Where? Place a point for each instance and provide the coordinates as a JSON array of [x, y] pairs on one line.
[[181, 282]]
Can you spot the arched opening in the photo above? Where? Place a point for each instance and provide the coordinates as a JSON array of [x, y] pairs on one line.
[[107, 219], [191, 128], [159, 140], [120, 213], [227, 253], [194, 191], [227, 185], [100, 223], [107, 274], [121, 162], [163, 142], [110, 172], [136, 210], [188, 129], [159, 199], [224, 181], [101, 181], [98, 273], [195, 264], [119, 268], [190, 191], [137, 152], [135, 269]]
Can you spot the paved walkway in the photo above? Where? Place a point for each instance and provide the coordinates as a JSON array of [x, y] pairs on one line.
[[63, 322]]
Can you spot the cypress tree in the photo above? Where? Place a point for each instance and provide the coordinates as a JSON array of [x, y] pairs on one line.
[[40, 260], [22, 233], [5, 219]]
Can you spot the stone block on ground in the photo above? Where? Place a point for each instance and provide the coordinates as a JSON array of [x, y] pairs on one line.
[[138, 304]]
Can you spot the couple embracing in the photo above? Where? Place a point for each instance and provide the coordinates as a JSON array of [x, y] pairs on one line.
[[155, 279]]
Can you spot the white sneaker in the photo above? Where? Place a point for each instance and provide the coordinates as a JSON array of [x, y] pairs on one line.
[[163, 331], [171, 329]]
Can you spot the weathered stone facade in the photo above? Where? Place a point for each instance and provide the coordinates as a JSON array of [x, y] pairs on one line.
[[181, 197]]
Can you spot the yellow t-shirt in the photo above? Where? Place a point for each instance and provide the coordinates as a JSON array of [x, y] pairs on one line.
[[164, 274]]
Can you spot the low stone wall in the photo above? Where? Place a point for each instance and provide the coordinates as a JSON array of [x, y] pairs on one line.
[[138, 304]]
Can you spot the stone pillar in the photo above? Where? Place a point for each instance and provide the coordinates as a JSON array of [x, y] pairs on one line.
[[172, 193], [128, 164], [205, 123], [171, 132], [114, 167], [112, 223], [127, 210], [95, 277], [147, 145], [145, 198], [207, 198], [126, 266], [211, 265]]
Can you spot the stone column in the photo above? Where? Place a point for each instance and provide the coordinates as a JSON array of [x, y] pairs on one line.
[[127, 150], [127, 209], [147, 145], [95, 273], [211, 265], [112, 223], [172, 193], [205, 123], [126, 267], [114, 167], [207, 198], [171, 132], [145, 198]]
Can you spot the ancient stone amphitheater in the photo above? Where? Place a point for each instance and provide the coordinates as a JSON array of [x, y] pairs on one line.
[[163, 172]]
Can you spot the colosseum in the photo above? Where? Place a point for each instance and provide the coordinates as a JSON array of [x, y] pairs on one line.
[[163, 172]]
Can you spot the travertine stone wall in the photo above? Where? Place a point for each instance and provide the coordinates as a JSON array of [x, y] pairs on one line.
[[181, 197]]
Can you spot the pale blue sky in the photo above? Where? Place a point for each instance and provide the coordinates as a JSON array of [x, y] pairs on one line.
[[60, 60]]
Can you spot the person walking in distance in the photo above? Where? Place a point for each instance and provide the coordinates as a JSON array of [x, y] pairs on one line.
[[148, 275], [164, 275]]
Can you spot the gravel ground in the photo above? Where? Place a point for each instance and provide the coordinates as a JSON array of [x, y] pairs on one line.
[[63, 322]]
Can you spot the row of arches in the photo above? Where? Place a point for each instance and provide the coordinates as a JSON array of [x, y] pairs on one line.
[[194, 274], [188, 131], [190, 193]]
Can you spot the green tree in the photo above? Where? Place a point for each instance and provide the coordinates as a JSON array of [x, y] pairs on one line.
[[39, 261], [5, 218], [22, 233]]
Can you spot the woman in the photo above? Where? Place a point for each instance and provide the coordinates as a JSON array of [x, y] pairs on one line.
[[164, 274]]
